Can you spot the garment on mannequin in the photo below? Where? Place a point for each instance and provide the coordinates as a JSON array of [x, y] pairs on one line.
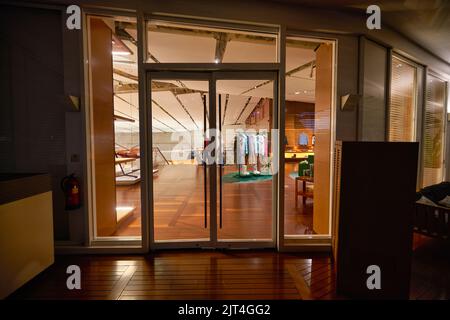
[[303, 139], [261, 145], [263, 151], [252, 149], [242, 147]]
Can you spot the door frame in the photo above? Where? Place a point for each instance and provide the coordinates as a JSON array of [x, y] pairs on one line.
[[146, 242], [212, 76]]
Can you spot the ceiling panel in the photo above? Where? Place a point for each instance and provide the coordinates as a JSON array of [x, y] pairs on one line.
[[127, 104], [173, 47], [194, 104], [242, 51], [197, 85], [253, 102], [234, 107], [296, 57], [236, 87], [164, 121], [167, 100], [169, 47], [122, 79], [300, 89], [264, 91]]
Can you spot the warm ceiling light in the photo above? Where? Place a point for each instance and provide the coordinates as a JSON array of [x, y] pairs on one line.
[[216, 60], [124, 208], [121, 53], [297, 92]]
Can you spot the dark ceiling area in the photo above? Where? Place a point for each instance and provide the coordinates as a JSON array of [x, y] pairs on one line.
[[425, 22]]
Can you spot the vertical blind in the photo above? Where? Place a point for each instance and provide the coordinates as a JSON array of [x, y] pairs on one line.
[[433, 143], [403, 99]]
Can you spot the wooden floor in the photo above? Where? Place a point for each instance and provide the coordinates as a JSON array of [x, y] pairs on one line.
[[259, 274], [186, 275], [179, 207], [430, 269]]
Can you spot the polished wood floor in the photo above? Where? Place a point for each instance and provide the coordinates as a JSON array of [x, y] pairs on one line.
[[183, 275], [179, 207], [430, 278], [202, 274]]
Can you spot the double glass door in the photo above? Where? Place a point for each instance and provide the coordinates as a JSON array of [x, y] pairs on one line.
[[214, 159]]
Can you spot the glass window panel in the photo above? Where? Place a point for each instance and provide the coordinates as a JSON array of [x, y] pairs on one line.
[[402, 108], [246, 184], [114, 126], [180, 111], [433, 141], [307, 137], [176, 43], [373, 104]]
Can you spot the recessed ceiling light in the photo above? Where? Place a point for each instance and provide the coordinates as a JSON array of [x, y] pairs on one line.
[[297, 92], [121, 53]]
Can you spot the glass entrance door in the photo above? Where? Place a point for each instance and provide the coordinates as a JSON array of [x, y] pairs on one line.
[[180, 121], [213, 168], [246, 169]]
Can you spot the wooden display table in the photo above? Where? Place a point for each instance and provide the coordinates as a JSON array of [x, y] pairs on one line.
[[296, 156], [303, 193], [124, 160]]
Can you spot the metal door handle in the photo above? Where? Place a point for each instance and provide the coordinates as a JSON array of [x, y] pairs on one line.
[[205, 171], [219, 139]]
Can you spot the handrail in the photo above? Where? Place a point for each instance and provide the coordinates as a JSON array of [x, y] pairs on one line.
[[162, 155]]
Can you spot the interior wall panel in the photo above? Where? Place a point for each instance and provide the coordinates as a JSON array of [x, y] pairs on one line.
[[372, 109], [102, 126], [347, 83], [322, 174], [32, 134]]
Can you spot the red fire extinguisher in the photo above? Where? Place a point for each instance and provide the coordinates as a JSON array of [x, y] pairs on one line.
[[71, 188]]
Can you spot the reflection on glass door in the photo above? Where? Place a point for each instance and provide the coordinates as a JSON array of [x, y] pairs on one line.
[[180, 188], [308, 138], [213, 173], [245, 178], [113, 128]]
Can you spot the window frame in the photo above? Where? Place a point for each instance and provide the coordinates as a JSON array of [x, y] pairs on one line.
[[416, 101], [446, 103]]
